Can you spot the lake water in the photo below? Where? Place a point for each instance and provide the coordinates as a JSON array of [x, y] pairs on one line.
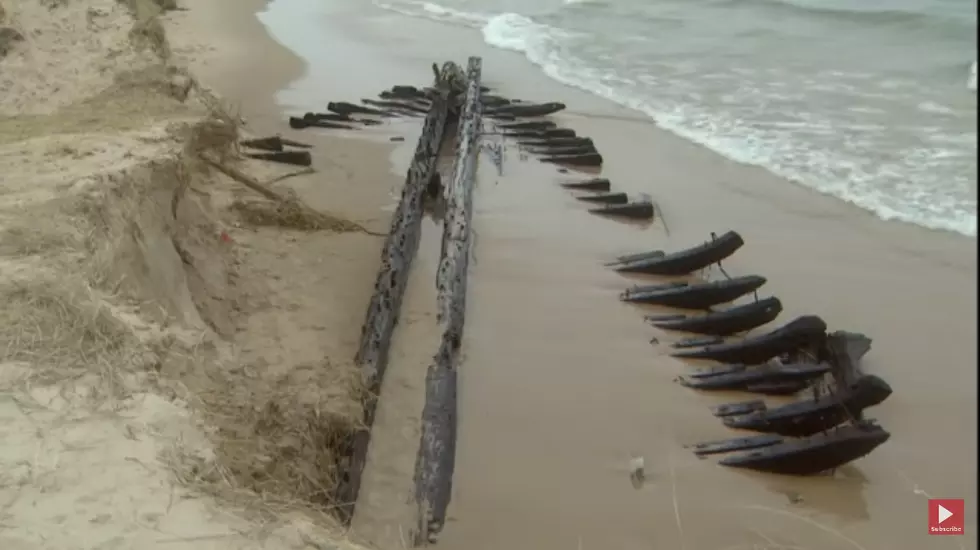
[[873, 103]]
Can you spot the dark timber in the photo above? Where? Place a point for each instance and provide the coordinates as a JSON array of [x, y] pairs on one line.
[[803, 418], [595, 184], [693, 295], [803, 333], [554, 141], [724, 322], [687, 261], [639, 210], [815, 454], [382, 314], [296, 158], [605, 198], [437, 449], [273, 143], [747, 378], [584, 159]]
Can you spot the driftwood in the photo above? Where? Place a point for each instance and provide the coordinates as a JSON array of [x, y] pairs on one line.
[[244, 179], [296, 158], [266, 144], [293, 204], [389, 288], [437, 450]]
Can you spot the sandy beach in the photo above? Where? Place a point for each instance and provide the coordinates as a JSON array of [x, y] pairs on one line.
[[186, 376]]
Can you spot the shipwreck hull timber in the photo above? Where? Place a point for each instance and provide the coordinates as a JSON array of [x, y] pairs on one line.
[[689, 260], [805, 332], [568, 141], [697, 342], [784, 388], [346, 108], [585, 159], [694, 295], [605, 198], [396, 104], [546, 135], [297, 123], [844, 350], [725, 322], [634, 257], [736, 444], [594, 184], [813, 455], [525, 109], [397, 255], [633, 210], [744, 407], [528, 125], [437, 449], [803, 418], [763, 376], [563, 151]]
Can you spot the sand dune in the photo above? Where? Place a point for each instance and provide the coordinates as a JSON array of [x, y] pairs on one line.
[[157, 354]]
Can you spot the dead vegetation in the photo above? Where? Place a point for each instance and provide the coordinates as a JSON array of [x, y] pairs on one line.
[[114, 279], [147, 29], [9, 36], [64, 329], [290, 213]]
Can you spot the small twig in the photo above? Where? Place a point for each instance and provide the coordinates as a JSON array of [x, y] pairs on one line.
[[725, 273], [303, 172], [660, 214]]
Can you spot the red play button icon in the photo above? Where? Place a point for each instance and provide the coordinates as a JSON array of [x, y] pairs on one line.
[[946, 516]]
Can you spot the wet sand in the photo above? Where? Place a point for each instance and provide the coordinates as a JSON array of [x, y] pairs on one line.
[[560, 385]]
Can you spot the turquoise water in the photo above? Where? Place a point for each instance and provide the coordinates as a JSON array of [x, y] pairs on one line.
[[869, 102]]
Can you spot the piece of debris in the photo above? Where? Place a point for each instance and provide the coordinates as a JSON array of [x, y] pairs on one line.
[[637, 473]]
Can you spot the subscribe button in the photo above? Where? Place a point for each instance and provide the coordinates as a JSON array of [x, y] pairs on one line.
[[946, 516]]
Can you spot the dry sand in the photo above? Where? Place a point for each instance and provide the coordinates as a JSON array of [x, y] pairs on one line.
[[171, 373]]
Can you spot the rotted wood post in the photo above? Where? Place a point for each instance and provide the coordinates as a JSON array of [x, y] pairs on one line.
[[437, 449], [382, 314]]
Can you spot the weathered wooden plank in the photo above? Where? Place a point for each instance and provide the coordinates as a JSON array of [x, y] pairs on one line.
[[396, 261], [437, 450]]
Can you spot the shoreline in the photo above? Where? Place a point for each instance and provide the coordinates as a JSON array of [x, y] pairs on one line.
[[532, 34]]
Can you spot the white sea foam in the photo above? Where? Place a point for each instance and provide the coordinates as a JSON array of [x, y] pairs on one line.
[[833, 158], [971, 83]]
